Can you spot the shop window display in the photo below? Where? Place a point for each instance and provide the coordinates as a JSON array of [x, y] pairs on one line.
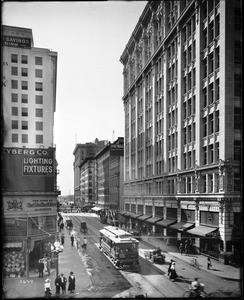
[[14, 263]]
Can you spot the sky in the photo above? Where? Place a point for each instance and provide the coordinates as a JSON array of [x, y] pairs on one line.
[[89, 38]]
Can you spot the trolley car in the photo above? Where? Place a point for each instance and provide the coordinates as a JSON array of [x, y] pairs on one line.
[[120, 247]]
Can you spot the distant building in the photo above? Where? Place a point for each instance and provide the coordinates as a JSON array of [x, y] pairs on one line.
[[182, 102], [81, 152], [110, 175], [29, 167]]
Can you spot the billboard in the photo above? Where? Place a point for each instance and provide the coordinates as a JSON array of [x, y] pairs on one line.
[[28, 169]]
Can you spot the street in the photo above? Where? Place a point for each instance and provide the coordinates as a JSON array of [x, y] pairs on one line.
[[152, 280]]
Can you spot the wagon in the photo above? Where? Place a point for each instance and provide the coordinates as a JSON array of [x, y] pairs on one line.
[[69, 224], [83, 227], [155, 255]]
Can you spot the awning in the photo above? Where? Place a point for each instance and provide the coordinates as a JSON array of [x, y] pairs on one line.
[[96, 208], [182, 226], [132, 215], [154, 219], [144, 217], [203, 230], [166, 222], [123, 213]]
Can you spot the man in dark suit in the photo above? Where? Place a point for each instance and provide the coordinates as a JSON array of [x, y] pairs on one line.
[[57, 284], [40, 267], [63, 282]]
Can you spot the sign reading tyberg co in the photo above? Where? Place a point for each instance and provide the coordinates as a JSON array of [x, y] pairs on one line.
[[29, 168]]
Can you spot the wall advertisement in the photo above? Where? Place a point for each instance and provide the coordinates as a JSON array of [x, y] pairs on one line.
[[28, 169]]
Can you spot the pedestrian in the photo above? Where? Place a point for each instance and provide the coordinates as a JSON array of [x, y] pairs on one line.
[[62, 239], [57, 285], [48, 265], [72, 240], [63, 282], [40, 267], [45, 264], [181, 248], [209, 264], [47, 288], [71, 286], [84, 243], [186, 248], [172, 272], [170, 264]]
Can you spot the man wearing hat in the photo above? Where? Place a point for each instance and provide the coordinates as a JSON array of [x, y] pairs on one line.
[[63, 282]]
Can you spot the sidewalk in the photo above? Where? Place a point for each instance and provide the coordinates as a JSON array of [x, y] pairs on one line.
[[218, 269], [33, 287]]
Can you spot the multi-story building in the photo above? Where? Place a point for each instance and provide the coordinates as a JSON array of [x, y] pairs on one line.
[[109, 175], [29, 172], [182, 103], [81, 152], [87, 180]]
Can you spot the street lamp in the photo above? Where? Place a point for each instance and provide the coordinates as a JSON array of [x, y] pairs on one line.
[[56, 248]]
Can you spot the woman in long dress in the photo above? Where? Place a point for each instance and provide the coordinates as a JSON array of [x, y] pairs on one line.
[[71, 286]]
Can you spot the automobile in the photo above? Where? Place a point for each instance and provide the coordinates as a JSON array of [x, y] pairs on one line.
[[155, 256]]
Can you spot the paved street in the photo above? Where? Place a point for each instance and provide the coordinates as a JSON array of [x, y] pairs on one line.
[[97, 277]]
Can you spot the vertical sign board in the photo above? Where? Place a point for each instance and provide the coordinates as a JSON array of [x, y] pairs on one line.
[[28, 169]]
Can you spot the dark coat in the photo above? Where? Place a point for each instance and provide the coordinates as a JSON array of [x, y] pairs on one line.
[[71, 286], [63, 283], [40, 266]]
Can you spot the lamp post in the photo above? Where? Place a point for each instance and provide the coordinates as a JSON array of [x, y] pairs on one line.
[[56, 248]]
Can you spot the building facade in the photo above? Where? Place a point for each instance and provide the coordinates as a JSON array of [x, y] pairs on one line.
[[182, 102], [29, 166], [81, 153], [109, 174]]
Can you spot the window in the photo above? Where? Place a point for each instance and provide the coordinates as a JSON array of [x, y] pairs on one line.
[[211, 93], [14, 97], [210, 181], [24, 138], [24, 59], [39, 125], [39, 112], [24, 125], [14, 58], [14, 71], [24, 72], [14, 84], [24, 85], [205, 126], [38, 61], [14, 111], [24, 112], [217, 121], [38, 73], [39, 139], [204, 155], [24, 98], [14, 124], [211, 123], [211, 154], [211, 62], [39, 86], [39, 99], [14, 138]]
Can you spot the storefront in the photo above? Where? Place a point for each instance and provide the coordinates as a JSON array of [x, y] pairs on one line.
[[143, 226], [157, 230], [14, 259]]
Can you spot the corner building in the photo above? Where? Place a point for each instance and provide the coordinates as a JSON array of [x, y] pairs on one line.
[[29, 167], [182, 102]]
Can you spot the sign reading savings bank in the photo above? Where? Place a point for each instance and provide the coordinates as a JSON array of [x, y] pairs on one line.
[[28, 169]]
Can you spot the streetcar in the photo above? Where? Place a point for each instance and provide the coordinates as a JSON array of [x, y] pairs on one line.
[[120, 247]]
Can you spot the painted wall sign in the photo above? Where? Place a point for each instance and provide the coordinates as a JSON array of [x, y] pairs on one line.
[[18, 42], [28, 169]]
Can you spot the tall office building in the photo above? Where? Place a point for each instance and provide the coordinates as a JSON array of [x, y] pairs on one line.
[[182, 102], [29, 171]]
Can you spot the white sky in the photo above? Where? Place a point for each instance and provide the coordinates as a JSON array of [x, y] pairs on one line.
[[89, 37]]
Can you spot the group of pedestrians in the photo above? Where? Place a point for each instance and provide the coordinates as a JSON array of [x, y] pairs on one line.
[[60, 285], [186, 247]]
